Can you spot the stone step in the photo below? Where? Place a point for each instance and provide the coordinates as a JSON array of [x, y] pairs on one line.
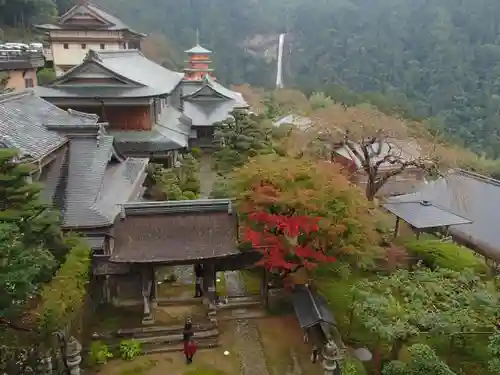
[[158, 330], [178, 347], [244, 298], [243, 314], [177, 337], [231, 305], [170, 301]]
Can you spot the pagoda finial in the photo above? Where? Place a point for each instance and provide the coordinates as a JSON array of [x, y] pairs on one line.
[[197, 37]]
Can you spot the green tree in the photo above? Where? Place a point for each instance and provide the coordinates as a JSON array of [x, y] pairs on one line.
[[45, 75], [494, 350], [240, 137], [399, 306], [22, 270], [21, 204], [320, 100], [422, 360]]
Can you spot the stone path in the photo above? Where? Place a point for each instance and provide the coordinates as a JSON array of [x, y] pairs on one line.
[[207, 175], [185, 274], [253, 361]]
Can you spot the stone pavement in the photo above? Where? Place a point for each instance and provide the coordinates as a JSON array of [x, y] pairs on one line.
[[207, 175], [251, 352]]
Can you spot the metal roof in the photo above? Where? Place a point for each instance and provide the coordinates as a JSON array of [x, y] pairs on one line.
[[470, 196], [310, 307], [23, 120], [198, 49], [423, 214]]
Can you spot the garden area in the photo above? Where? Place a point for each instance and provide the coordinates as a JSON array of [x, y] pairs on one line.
[[423, 305]]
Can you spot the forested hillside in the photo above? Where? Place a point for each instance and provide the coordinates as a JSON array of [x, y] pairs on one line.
[[431, 58], [426, 59]]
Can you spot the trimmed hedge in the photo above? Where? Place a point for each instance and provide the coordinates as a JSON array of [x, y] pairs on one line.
[[445, 255], [63, 298]]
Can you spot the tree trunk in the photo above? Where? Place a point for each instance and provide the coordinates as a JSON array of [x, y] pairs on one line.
[[396, 348], [377, 361], [370, 191]]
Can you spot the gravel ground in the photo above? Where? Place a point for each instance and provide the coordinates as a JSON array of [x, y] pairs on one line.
[[253, 361]]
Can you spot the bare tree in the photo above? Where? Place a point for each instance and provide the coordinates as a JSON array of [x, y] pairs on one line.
[[379, 146]]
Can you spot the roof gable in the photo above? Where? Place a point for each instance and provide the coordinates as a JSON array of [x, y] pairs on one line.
[[85, 14], [92, 72], [208, 93]]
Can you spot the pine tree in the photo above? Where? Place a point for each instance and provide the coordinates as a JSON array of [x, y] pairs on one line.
[[20, 205]]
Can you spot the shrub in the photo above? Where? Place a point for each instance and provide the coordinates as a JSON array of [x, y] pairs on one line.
[[192, 185], [196, 152], [129, 349], [435, 253], [62, 299], [352, 366], [99, 354], [189, 195]]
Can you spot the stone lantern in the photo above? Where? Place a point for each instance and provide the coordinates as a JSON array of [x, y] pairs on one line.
[[73, 357], [331, 359]]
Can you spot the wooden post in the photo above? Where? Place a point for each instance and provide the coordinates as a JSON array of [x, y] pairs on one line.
[[396, 228], [209, 282]]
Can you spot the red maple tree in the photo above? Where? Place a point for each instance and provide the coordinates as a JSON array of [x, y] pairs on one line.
[[287, 243]]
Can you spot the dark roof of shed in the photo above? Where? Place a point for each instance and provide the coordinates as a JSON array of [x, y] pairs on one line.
[[310, 307], [24, 118], [175, 231], [423, 215], [471, 196]]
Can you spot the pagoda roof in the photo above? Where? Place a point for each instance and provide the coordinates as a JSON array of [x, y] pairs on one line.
[[198, 49], [175, 232], [102, 20]]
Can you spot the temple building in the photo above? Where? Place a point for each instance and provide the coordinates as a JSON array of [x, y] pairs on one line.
[[80, 169], [206, 101], [86, 26], [140, 100]]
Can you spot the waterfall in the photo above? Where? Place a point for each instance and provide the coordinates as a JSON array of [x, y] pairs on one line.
[[279, 70]]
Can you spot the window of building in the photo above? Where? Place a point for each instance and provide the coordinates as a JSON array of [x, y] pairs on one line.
[[103, 46], [28, 82], [66, 46], [84, 46]]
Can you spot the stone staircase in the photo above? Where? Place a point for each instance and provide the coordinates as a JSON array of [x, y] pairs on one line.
[[162, 339], [242, 307]]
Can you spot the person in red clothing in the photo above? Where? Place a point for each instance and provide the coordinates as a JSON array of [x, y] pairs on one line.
[[190, 348]]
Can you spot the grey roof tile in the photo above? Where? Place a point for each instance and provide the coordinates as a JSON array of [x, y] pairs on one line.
[[471, 196], [115, 23], [23, 120], [146, 78], [170, 133], [94, 188]]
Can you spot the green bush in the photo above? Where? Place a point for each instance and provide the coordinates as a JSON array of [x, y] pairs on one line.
[[192, 185], [196, 152], [129, 349], [352, 366], [189, 195], [445, 255], [99, 354]]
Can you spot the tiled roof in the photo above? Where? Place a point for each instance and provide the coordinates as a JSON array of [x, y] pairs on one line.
[[183, 231], [80, 180], [310, 308], [205, 110], [94, 187], [23, 117], [471, 196], [114, 22], [170, 133], [145, 77]]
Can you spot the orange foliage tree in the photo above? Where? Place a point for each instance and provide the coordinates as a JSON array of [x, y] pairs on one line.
[[300, 213]]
